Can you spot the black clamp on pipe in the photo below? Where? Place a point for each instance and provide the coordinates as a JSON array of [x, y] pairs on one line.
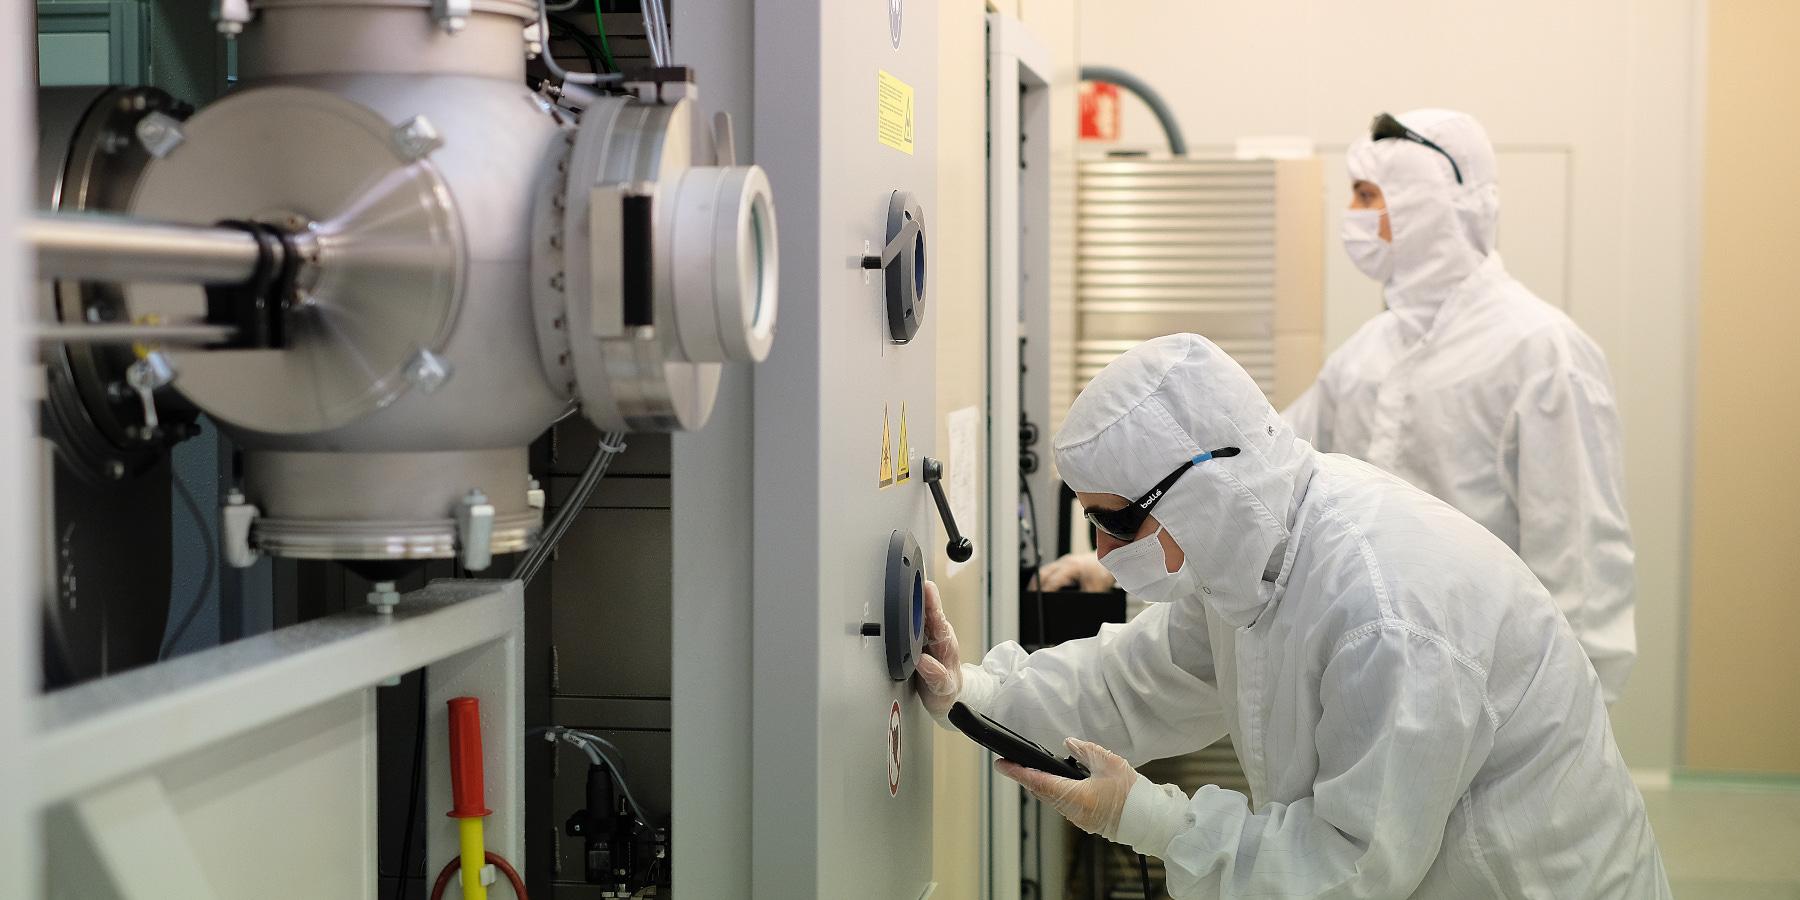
[[258, 306]]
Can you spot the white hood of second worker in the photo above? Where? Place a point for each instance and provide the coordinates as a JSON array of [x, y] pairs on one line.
[[1163, 402], [1442, 231]]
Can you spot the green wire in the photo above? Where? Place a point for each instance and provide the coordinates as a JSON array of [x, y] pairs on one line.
[[605, 49]]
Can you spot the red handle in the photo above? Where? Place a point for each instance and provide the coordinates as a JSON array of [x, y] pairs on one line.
[[466, 782]]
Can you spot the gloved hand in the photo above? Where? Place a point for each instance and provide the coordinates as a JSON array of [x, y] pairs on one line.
[[1082, 571], [939, 668], [1094, 803]]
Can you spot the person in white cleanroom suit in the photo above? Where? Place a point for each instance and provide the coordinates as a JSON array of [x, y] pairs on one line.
[[1413, 715], [1471, 387]]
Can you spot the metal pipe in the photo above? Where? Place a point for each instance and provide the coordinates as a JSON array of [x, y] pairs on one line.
[[127, 333], [115, 248], [1164, 115]]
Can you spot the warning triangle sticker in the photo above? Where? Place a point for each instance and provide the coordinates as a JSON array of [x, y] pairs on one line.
[[887, 452], [904, 472]]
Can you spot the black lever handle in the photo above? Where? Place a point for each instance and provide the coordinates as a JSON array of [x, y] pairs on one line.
[[958, 548]]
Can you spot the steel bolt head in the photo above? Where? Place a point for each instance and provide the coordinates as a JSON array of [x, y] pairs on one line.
[[416, 138]]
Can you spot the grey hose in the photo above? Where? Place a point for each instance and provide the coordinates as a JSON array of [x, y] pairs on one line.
[[611, 445], [656, 30], [1146, 93]]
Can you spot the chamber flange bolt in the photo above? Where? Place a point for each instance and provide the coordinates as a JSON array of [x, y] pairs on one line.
[[451, 15], [416, 138], [475, 530], [230, 16], [160, 133], [235, 520], [428, 371], [384, 596]]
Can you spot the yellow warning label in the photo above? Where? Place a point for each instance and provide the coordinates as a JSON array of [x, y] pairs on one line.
[[894, 112], [887, 452], [904, 472]]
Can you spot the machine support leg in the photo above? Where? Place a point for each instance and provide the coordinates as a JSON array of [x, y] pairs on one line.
[[139, 841]]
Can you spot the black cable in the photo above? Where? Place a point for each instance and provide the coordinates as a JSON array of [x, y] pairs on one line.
[[1144, 872], [589, 49], [206, 578], [1074, 869], [412, 800]]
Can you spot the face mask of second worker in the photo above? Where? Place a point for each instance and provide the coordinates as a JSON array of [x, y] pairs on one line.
[[1361, 232], [1142, 569]]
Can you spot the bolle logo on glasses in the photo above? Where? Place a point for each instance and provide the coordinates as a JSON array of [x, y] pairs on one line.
[[1148, 501]]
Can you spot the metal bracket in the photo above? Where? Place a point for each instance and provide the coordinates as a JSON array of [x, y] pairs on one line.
[[235, 521], [664, 85], [230, 16], [160, 133], [416, 138], [475, 531], [724, 141], [451, 15], [428, 371]]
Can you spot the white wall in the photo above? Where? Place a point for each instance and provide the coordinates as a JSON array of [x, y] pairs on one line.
[[1594, 108]]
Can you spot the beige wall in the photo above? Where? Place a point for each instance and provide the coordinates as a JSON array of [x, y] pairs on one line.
[[959, 284], [1299, 278], [1743, 671]]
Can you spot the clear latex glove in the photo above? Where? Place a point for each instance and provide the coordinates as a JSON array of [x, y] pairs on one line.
[[1082, 571], [1093, 804], [939, 670]]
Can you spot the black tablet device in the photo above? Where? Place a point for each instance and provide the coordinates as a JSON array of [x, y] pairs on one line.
[[1012, 746]]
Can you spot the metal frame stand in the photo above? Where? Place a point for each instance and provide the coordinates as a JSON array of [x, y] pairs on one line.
[[1019, 74], [249, 769]]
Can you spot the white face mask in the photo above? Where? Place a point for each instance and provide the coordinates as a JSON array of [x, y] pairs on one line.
[[1142, 569], [1361, 232]]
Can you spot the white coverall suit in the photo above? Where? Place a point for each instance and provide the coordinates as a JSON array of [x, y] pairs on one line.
[[1473, 389], [1414, 716]]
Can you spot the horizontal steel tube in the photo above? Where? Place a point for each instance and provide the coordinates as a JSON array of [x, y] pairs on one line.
[[113, 248], [126, 333]]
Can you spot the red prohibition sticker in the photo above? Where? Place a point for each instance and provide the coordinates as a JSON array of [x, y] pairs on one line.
[[893, 748]]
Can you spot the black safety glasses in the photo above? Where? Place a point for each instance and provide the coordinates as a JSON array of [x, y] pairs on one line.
[[1123, 523], [1387, 128]]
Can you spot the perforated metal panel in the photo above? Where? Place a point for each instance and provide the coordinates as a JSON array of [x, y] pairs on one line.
[[1174, 245]]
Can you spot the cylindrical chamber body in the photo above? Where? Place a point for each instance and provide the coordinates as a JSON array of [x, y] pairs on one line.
[[414, 378]]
